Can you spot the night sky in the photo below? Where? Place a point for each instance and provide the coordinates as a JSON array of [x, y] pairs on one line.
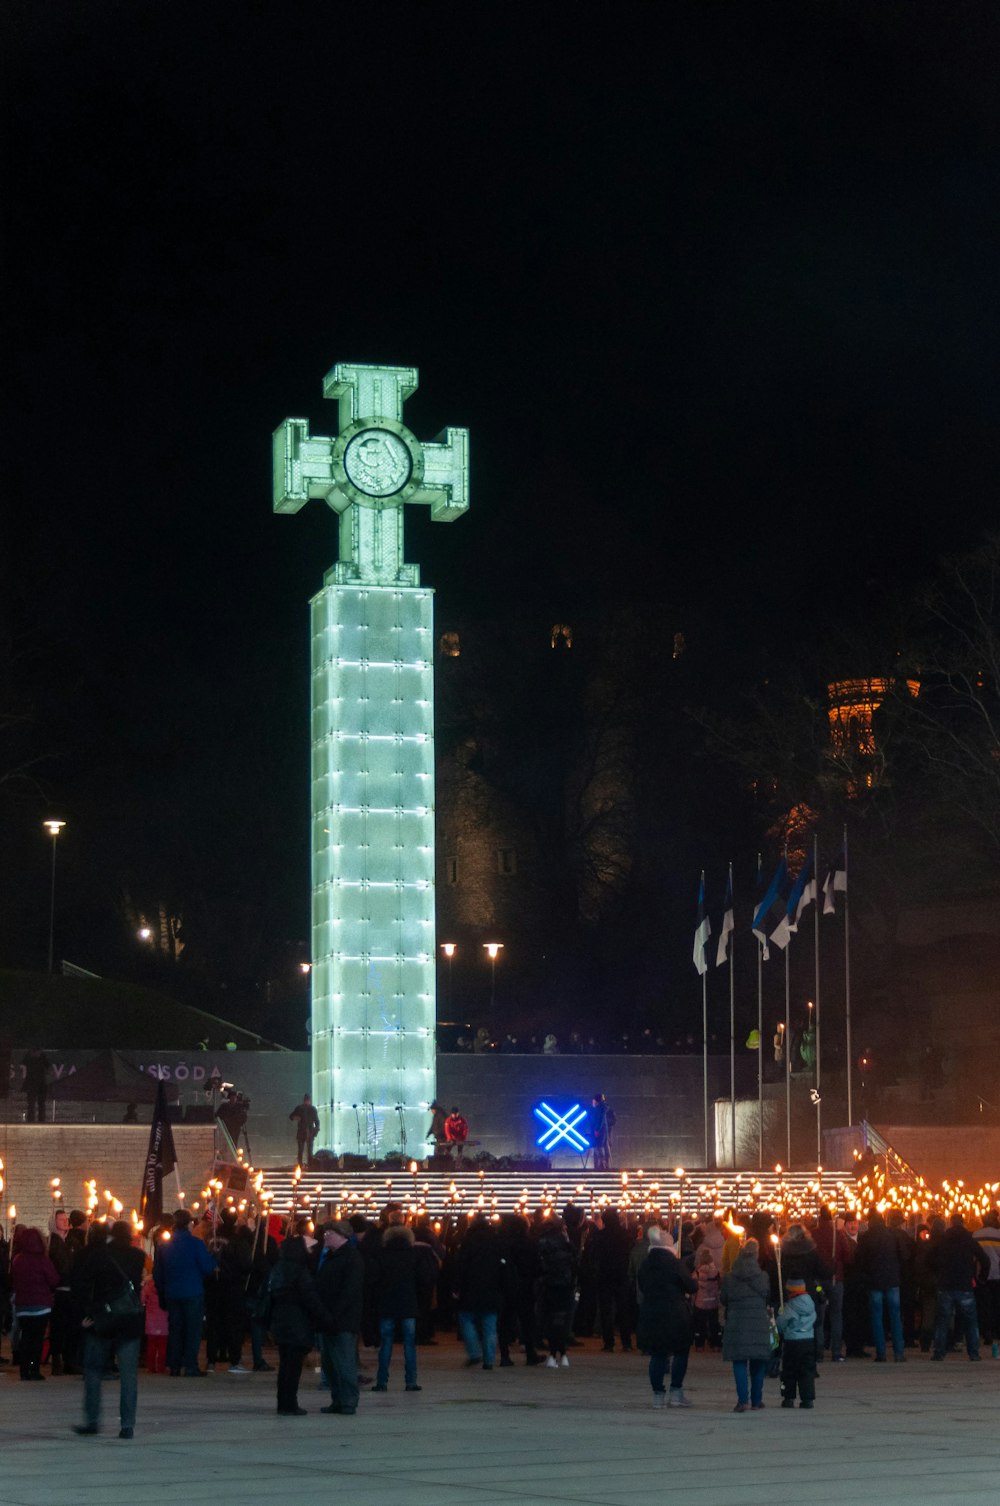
[[713, 285]]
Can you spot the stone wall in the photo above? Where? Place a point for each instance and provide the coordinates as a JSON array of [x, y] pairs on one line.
[[658, 1101], [114, 1156], [274, 1081]]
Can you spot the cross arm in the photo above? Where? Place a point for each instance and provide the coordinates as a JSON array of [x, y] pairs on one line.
[[369, 391], [303, 468], [445, 483]]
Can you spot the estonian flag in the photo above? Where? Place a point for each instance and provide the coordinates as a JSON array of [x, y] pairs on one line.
[[702, 932], [775, 896], [728, 923], [835, 882], [803, 894]]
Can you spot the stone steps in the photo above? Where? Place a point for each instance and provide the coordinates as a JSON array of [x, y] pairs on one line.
[[465, 1190]]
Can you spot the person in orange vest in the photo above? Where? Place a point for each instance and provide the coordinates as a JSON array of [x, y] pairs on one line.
[[456, 1132]]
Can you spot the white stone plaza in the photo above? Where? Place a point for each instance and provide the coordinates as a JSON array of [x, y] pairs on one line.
[[879, 1434]]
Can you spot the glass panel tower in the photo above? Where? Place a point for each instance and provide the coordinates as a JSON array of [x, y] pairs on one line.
[[373, 923]]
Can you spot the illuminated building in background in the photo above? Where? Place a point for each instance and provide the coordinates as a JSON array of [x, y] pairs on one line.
[[851, 712], [373, 919]]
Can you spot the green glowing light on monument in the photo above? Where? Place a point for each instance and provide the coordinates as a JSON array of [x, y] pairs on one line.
[[373, 922]]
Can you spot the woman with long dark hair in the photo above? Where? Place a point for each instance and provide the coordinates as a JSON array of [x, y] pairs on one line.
[[33, 1280]]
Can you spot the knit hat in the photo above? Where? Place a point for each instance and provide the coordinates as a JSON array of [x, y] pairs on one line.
[[338, 1226], [795, 1286], [659, 1237]]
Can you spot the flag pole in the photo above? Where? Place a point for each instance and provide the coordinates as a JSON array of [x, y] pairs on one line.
[[760, 1026], [760, 1055], [819, 1051], [704, 1057], [788, 1047], [703, 930], [788, 1062], [732, 1036], [847, 981]]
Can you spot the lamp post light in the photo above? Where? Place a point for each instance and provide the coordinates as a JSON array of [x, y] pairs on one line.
[[53, 828], [449, 948], [493, 950]]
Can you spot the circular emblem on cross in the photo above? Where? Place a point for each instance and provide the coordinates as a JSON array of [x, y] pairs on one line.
[[377, 462]]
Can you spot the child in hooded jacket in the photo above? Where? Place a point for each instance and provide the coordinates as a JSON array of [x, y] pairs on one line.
[[156, 1328], [796, 1324], [706, 1301]]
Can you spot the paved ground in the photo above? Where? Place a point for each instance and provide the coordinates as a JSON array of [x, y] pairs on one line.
[[879, 1434]]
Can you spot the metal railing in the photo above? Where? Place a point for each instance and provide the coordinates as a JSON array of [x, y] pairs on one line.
[[896, 1169]]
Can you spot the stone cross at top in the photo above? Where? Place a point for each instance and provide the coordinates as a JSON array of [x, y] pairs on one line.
[[366, 474]]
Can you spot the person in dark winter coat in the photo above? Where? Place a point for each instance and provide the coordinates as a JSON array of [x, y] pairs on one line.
[[340, 1279], [97, 1278], [746, 1339], [609, 1250], [801, 1261], [479, 1272], [430, 1253], [879, 1265], [958, 1260], [296, 1315], [226, 1293], [665, 1317], [64, 1324], [397, 1300], [33, 1280], [557, 1267], [838, 1252], [263, 1259], [895, 1220], [519, 1291], [306, 1129]]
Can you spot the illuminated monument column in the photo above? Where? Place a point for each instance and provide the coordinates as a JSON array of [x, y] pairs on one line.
[[373, 937]]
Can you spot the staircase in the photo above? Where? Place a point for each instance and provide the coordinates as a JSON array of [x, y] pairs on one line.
[[889, 1161], [466, 1190]]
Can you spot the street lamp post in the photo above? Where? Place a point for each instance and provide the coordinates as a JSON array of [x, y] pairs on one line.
[[493, 950], [53, 828]]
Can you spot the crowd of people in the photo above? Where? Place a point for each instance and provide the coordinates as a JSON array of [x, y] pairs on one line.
[[780, 1301], [648, 1042]]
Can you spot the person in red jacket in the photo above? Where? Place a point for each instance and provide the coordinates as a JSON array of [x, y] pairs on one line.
[[456, 1131], [33, 1280]]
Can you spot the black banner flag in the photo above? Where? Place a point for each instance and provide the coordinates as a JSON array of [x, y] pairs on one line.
[[161, 1159]]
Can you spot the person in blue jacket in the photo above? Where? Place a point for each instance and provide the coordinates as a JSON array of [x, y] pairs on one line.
[[180, 1266]]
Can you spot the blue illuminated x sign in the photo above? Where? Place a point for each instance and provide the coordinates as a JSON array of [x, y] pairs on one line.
[[561, 1127]]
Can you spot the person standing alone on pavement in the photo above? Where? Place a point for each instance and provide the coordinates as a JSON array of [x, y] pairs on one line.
[[306, 1129], [340, 1280]]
